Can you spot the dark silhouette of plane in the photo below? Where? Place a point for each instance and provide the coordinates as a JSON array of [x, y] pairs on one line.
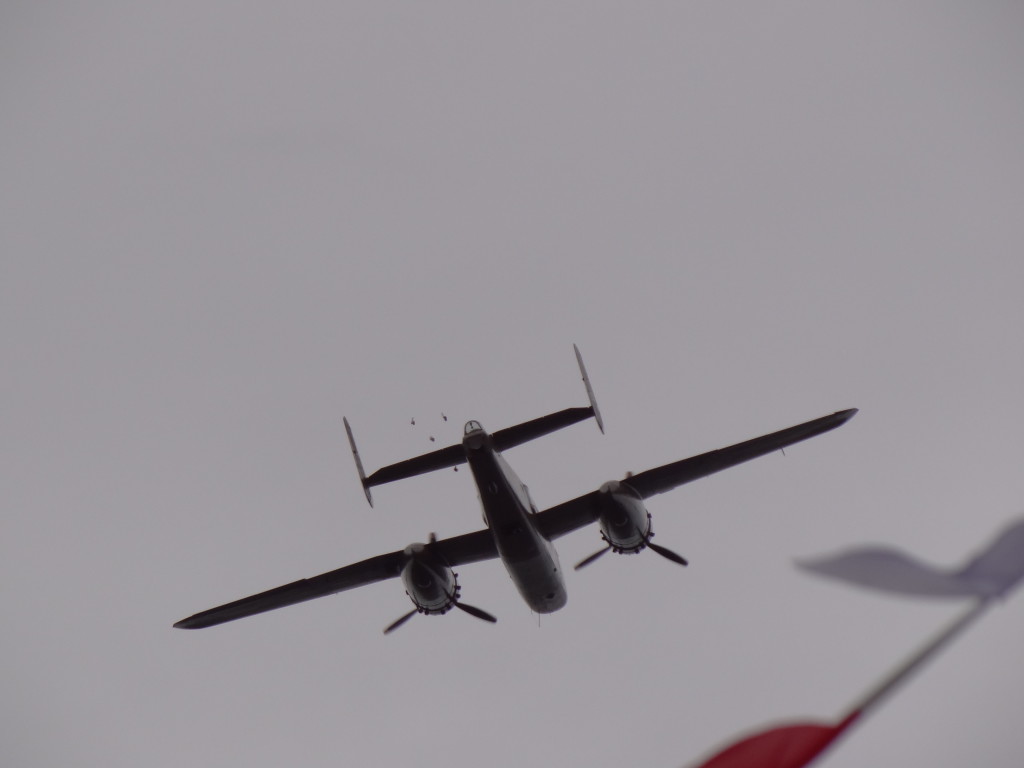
[[516, 533]]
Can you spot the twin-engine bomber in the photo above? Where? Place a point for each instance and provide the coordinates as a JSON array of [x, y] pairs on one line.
[[516, 531]]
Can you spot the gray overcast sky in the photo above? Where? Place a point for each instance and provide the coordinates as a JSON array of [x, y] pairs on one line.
[[224, 225]]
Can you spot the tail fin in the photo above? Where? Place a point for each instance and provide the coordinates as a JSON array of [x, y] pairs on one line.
[[359, 463], [521, 433], [590, 390]]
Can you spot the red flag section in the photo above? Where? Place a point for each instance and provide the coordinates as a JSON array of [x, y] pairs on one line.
[[797, 745], [787, 746]]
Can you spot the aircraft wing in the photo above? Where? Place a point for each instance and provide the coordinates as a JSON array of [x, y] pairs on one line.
[[661, 479], [583, 510], [458, 550], [569, 515]]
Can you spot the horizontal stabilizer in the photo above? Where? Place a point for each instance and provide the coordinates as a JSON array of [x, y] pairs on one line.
[[443, 458], [530, 430], [501, 440], [454, 455]]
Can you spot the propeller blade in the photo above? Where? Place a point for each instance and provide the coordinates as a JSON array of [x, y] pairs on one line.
[[395, 625], [473, 611], [591, 558], [667, 553]]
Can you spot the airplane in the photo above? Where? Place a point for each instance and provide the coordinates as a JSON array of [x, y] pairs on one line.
[[516, 533]]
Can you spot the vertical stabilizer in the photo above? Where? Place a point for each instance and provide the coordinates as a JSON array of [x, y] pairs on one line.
[[359, 463], [590, 390]]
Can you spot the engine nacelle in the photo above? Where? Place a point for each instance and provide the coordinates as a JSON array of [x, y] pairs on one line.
[[429, 581], [625, 521]]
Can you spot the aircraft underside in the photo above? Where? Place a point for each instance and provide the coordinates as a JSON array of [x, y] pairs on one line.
[[516, 533], [531, 560]]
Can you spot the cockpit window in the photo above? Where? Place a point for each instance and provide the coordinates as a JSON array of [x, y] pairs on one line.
[[472, 426]]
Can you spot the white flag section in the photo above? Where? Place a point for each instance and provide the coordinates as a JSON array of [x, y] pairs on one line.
[[992, 573]]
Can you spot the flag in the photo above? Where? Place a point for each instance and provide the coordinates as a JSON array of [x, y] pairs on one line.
[[786, 746], [798, 744], [992, 573]]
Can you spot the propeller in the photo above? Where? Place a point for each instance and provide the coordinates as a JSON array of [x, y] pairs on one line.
[[396, 624], [665, 552], [474, 611], [668, 554], [452, 600], [590, 558]]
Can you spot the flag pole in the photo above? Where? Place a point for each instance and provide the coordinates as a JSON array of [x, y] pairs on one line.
[[904, 671]]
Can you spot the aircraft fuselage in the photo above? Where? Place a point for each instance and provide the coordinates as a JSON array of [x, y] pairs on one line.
[[531, 560]]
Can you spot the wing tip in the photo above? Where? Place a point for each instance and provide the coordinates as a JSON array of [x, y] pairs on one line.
[[199, 621], [845, 416]]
